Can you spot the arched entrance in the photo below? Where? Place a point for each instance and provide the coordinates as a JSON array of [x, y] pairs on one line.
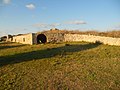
[[41, 38]]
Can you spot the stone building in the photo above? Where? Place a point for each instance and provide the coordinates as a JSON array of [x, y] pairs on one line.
[[24, 38], [37, 38], [56, 35]]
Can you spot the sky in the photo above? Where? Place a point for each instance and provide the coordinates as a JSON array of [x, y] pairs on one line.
[[26, 16]]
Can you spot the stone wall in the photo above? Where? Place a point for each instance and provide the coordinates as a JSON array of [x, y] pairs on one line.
[[34, 38], [24, 39], [60, 37], [91, 38], [54, 37]]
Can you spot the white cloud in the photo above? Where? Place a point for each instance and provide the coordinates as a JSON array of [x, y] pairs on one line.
[[117, 27], [55, 24], [43, 25], [30, 6], [6, 1], [76, 22]]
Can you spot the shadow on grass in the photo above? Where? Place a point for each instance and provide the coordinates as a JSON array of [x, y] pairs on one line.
[[47, 53], [7, 45]]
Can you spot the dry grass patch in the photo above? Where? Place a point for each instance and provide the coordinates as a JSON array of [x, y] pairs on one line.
[[65, 66]]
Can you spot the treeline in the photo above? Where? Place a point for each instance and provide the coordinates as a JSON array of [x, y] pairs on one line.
[[3, 38], [114, 33]]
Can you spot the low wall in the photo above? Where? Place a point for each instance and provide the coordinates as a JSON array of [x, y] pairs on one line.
[[91, 38]]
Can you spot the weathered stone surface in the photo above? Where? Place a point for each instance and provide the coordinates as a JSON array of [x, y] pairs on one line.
[[91, 38], [62, 37], [25, 39]]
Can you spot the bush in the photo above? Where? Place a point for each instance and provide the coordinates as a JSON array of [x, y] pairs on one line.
[[98, 42], [67, 44]]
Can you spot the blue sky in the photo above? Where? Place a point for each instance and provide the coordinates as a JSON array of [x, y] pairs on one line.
[[25, 16]]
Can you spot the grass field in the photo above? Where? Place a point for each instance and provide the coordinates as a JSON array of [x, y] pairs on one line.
[[63, 66]]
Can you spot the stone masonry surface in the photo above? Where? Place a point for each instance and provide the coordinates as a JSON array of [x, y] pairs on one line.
[[31, 38], [91, 38]]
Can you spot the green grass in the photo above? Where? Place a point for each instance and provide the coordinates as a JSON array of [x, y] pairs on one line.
[[64, 66]]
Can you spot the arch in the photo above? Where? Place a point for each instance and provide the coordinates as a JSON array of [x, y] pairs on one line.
[[41, 38]]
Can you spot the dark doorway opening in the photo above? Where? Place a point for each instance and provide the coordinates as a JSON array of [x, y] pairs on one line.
[[41, 38]]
